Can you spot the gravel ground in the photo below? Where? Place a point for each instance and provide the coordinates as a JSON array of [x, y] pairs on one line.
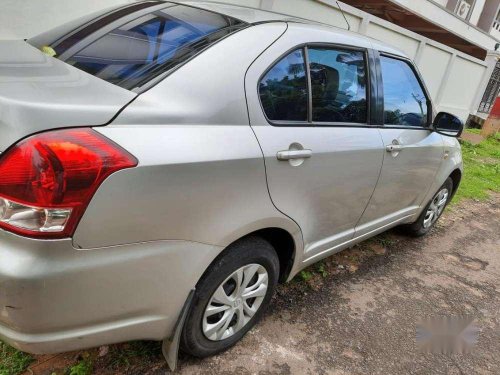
[[357, 312], [363, 321]]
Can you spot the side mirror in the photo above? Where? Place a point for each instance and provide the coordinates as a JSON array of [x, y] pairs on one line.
[[448, 124]]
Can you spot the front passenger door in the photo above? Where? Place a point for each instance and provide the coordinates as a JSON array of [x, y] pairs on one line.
[[413, 151]]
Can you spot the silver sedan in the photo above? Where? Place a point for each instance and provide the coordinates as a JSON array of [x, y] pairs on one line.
[[164, 166]]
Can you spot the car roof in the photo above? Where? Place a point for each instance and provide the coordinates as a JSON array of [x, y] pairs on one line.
[[254, 16], [241, 12]]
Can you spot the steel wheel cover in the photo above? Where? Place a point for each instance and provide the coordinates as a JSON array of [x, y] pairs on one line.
[[436, 208], [235, 302]]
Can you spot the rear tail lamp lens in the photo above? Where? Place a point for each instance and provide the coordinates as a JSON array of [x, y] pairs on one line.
[[47, 180]]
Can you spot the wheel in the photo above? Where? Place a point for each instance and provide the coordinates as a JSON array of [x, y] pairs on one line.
[[432, 211], [231, 297]]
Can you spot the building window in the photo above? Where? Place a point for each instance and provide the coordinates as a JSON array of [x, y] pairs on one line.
[[492, 91], [464, 8], [496, 22]]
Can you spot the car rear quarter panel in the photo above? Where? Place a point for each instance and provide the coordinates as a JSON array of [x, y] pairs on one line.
[[52, 292], [201, 174]]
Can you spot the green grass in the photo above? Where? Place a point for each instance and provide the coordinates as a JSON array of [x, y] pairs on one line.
[[474, 131], [306, 275], [123, 356], [83, 367], [322, 269], [12, 361], [481, 169]]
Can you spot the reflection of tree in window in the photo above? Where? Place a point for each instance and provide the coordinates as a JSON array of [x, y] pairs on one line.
[[338, 82], [404, 99], [420, 100], [283, 90], [296, 69], [135, 52]]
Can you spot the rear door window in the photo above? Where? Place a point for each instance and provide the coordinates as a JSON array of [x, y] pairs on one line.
[[335, 91], [338, 81], [133, 53]]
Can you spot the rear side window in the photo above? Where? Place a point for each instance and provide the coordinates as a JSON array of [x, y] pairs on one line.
[[337, 92], [405, 102], [283, 90], [139, 48], [338, 80]]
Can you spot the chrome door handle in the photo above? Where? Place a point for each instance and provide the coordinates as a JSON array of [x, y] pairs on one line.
[[294, 154], [394, 148]]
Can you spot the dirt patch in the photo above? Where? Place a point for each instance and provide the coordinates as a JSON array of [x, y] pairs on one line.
[[365, 322], [472, 138]]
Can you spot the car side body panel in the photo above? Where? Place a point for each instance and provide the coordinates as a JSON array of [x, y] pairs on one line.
[[452, 162], [327, 194], [215, 194], [201, 175], [405, 179]]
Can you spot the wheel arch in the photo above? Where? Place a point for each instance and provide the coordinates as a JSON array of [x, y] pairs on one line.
[[456, 177], [284, 245], [287, 242]]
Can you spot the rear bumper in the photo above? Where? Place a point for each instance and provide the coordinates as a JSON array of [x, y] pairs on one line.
[[55, 298]]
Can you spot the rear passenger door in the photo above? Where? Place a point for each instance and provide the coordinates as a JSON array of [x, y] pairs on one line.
[[309, 108], [413, 151]]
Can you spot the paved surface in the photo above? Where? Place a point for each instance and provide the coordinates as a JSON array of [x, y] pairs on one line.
[[363, 322]]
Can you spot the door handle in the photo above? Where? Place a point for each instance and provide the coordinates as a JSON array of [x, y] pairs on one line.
[[394, 148], [293, 154]]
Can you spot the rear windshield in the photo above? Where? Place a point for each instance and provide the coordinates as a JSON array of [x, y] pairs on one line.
[[130, 46]]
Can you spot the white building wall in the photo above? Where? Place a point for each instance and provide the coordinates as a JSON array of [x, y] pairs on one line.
[[476, 12], [443, 3], [455, 80], [21, 19]]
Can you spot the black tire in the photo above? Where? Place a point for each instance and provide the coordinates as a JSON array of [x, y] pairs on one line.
[[417, 229], [249, 250]]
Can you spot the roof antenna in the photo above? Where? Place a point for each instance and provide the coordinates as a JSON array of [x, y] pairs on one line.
[[346, 21]]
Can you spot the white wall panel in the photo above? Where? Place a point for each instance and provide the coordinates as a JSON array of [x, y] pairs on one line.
[[20, 19], [246, 3], [476, 12], [315, 11], [461, 87], [403, 42], [433, 64], [443, 3]]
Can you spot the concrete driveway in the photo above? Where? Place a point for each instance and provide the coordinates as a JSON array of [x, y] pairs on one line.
[[363, 321]]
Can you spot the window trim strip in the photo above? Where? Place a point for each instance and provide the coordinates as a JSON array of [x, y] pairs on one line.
[[305, 51]]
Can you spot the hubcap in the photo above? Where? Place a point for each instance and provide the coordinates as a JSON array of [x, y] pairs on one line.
[[436, 208], [235, 302]]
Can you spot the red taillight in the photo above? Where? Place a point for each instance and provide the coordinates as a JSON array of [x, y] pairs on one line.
[[47, 180]]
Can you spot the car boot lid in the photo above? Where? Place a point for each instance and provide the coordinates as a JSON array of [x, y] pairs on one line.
[[39, 92]]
